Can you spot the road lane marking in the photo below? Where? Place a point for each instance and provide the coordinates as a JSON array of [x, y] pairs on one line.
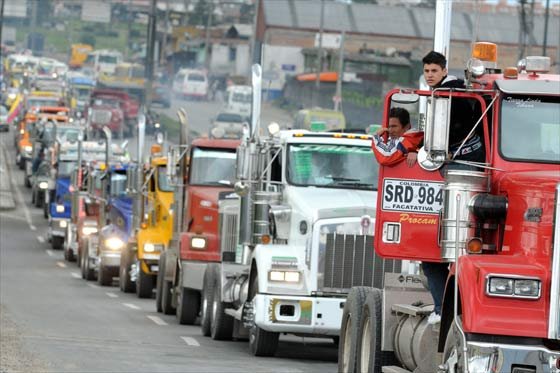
[[112, 295], [49, 252], [61, 264], [190, 341], [93, 286], [41, 239], [130, 305], [76, 275], [157, 320]]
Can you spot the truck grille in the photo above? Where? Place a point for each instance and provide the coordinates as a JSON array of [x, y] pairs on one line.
[[228, 229], [350, 260], [554, 318], [100, 116]]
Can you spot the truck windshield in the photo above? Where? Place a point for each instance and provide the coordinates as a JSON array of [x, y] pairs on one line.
[[118, 184], [245, 98], [536, 120], [212, 167], [163, 180], [66, 168], [332, 166]]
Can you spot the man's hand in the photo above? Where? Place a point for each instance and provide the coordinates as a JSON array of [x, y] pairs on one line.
[[411, 159], [381, 131]]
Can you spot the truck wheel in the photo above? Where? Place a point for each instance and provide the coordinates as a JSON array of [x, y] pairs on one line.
[[221, 325], [69, 255], [261, 342], [188, 306], [87, 272], [45, 210], [21, 163], [104, 277], [166, 304], [370, 356], [125, 283], [159, 285], [351, 317], [57, 242], [144, 283], [26, 181], [207, 301], [33, 198]]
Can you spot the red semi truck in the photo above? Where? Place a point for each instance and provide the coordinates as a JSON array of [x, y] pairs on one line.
[[113, 109], [497, 226]]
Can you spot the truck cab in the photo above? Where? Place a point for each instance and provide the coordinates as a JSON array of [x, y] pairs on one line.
[[113, 109]]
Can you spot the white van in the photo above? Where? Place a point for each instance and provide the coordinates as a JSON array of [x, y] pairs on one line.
[[104, 61], [238, 100], [191, 83]]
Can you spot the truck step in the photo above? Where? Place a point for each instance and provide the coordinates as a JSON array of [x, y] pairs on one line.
[[408, 309], [235, 313]]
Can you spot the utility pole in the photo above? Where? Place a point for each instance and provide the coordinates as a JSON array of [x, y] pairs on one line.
[[545, 27], [320, 51], [163, 58], [33, 24], [1, 22], [207, 36], [150, 55], [338, 94], [129, 27]]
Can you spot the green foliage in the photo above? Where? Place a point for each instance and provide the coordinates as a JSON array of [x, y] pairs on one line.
[[200, 13], [88, 39]]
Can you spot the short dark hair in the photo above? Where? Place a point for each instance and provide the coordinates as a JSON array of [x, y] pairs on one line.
[[435, 57], [401, 114]]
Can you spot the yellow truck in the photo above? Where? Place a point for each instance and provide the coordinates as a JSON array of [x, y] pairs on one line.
[[139, 261], [78, 55]]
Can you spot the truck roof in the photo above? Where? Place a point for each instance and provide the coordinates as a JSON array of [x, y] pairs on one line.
[[216, 143]]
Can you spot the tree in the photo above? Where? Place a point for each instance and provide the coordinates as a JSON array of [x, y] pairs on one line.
[[200, 13]]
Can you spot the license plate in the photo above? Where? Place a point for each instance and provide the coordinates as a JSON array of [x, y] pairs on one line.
[[417, 196]]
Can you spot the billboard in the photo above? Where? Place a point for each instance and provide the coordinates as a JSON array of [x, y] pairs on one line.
[[96, 11], [15, 8]]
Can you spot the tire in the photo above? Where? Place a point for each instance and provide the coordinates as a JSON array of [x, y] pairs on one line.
[[57, 242], [221, 324], [39, 200], [166, 297], [159, 286], [46, 210], [188, 306], [104, 277], [87, 272], [69, 256], [206, 302], [261, 342], [33, 194], [21, 164], [144, 283], [125, 283], [370, 356], [26, 181], [351, 318]]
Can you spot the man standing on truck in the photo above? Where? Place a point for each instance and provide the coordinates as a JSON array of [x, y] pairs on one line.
[[401, 143], [462, 118]]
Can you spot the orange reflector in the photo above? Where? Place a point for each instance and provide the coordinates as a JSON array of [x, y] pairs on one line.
[[474, 246], [155, 149], [485, 51], [298, 134], [143, 225], [364, 137], [351, 136], [337, 135], [265, 239], [510, 73]]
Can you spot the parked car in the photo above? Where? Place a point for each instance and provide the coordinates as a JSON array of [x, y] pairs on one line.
[[227, 126], [4, 126]]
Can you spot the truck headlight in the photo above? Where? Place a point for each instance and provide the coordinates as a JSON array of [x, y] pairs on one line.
[[12, 96], [59, 208], [86, 231], [284, 276], [28, 148], [43, 185], [513, 287], [150, 247], [63, 224], [114, 243], [198, 243]]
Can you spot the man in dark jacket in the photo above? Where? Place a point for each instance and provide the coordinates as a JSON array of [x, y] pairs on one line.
[[464, 112]]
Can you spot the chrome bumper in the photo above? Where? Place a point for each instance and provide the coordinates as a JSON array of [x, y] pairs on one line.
[[495, 357]]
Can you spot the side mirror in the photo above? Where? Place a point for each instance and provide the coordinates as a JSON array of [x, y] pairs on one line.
[[171, 165], [436, 135]]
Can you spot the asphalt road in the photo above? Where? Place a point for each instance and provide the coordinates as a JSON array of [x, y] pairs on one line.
[[52, 320]]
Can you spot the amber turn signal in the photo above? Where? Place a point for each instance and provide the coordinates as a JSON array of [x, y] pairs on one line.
[[474, 246]]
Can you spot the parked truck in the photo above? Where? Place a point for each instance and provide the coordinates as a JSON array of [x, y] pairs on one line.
[[113, 109], [496, 224]]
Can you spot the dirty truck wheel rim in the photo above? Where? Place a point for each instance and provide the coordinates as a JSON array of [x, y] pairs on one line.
[[347, 344], [365, 349]]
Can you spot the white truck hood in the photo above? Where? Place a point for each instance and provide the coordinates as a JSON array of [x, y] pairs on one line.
[[323, 203]]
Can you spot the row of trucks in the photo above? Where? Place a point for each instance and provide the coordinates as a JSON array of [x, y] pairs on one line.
[[285, 232]]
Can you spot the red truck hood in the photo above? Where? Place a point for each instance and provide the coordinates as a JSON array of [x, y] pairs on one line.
[[529, 184]]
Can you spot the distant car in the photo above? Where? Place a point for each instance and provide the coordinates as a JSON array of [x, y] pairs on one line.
[[4, 126], [191, 83], [161, 95], [227, 126]]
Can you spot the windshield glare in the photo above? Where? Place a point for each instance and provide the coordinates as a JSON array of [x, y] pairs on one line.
[[332, 166], [536, 120], [209, 167], [118, 184]]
